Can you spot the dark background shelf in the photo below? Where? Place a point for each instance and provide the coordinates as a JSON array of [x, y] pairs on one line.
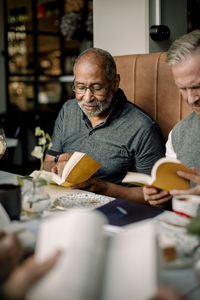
[[37, 55]]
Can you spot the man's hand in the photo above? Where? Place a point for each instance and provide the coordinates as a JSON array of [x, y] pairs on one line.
[[167, 293], [155, 196], [26, 274], [51, 166], [94, 184], [59, 166], [11, 253], [193, 177]]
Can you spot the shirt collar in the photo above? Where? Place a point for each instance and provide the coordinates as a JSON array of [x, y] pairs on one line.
[[120, 101]]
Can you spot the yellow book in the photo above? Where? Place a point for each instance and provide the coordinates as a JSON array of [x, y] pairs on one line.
[[79, 168], [163, 175]]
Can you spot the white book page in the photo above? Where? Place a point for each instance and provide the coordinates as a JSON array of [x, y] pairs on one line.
[[76, 156], [77, 274], [138, 177], [131, 264], [46, 175], [161, 161]]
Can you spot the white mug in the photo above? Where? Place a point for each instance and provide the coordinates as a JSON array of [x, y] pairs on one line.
[[186, 205]]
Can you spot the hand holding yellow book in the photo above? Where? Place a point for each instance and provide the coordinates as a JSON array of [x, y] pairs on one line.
[[163, 175], [79, 168]]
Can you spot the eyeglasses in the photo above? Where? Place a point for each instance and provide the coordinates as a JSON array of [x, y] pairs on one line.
[[81, 89]]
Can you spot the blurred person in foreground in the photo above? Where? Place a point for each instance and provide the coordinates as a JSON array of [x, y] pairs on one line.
[[101, 122], [184, 139], [19, 274]]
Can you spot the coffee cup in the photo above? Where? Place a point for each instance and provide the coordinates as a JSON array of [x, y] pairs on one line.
[[10, 198], [186, 205]]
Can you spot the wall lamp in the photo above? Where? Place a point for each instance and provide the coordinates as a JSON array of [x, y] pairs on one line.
[[159, 32]]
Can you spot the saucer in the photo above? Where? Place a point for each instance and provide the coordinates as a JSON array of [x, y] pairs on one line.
[[87, 200], [182, 262], [175, 226]]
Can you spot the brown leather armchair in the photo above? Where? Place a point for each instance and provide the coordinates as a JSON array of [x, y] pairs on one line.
[[147, 81]]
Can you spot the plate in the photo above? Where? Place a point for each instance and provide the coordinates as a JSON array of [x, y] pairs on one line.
[[87, 200], [174, 226], [182, 262]]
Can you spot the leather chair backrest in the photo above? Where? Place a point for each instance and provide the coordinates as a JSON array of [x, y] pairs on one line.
[[147, 81]]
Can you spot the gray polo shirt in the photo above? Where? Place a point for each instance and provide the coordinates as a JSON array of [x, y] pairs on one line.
[[128, 140]]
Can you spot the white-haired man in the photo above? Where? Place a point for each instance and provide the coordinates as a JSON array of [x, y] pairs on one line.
[[184, 139]]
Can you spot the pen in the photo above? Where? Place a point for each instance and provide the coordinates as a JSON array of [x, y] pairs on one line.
[[121, 210]]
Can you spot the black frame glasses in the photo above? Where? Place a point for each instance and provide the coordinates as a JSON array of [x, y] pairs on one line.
[[81, 89]]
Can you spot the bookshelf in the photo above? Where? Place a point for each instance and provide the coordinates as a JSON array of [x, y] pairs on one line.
[[39, 60]]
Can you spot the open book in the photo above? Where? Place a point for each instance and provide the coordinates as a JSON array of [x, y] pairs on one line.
[[163, 175], [95, 263], [79, 168]]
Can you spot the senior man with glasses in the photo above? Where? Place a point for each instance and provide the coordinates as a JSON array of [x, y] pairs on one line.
[[102, 123]]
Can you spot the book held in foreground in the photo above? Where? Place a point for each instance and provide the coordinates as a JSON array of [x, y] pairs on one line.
[[163, 175], [96, 263], [79, 168]]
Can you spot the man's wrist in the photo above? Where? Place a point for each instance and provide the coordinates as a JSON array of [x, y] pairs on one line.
[[56, 158]]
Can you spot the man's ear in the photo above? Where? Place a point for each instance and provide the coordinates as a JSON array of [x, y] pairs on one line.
[[116, 82]]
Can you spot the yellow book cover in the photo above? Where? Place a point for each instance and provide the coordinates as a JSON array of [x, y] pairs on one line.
[[79, 168], [163, 175]]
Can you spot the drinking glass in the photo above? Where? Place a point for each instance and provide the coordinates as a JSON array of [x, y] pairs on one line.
[[2, 142]]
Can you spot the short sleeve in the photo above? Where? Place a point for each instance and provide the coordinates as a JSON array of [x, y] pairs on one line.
[[150, 148], [58, 132]]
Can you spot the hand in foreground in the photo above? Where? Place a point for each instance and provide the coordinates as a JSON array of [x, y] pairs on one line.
[[11, 253], [94, 184], [193, 191], [59, 166], [25, 275], [155, 196]]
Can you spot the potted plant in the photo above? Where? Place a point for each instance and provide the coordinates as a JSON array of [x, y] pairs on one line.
[[34, 198]]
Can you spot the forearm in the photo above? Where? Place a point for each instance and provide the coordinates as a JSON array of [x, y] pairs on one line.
[[134, 194], [96, 185]]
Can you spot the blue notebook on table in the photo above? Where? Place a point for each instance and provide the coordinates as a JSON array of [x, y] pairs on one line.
[[123, 212]]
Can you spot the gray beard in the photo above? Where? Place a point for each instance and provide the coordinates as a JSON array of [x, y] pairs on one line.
[[100, 106]]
